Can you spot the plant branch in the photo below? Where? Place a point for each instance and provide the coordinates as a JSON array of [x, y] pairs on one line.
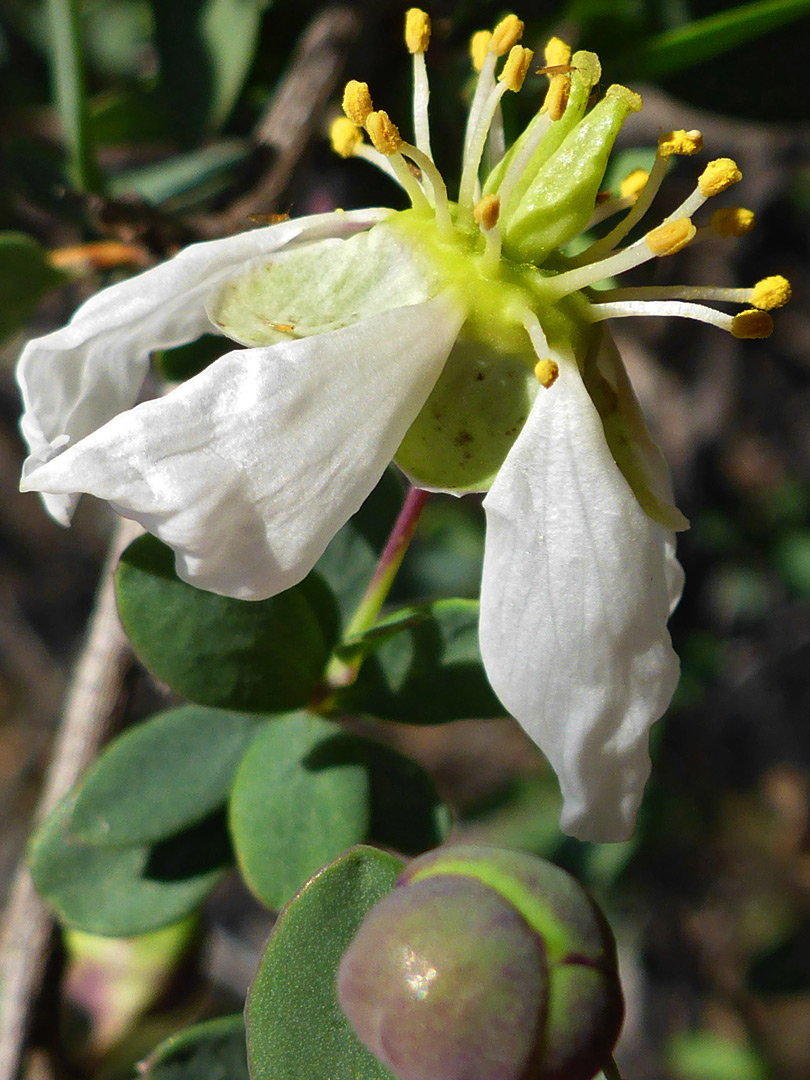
[[91, 699], [69, 91]]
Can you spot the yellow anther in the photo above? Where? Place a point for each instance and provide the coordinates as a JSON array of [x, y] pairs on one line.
[[357, 102], [771, 292], [633, 184], [546, 372], [556, 100], [557, 53], [516, 67], [383, 133], [718, 175], [479, 47], [345, 136], [684, 143], [670, 237], [487, 211], [507, 33], [752, 324], [417, 30], [732, 221]]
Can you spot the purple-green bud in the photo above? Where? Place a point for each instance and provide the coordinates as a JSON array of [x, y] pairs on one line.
[[484, 964]]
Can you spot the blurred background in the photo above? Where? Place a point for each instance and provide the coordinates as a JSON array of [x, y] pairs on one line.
[[131, 127]]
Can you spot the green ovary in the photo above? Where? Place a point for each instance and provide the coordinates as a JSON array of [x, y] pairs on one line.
[[471, 419]]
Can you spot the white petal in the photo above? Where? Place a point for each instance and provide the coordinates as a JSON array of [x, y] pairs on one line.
[[249, 469], [77, 378], [574, 602]]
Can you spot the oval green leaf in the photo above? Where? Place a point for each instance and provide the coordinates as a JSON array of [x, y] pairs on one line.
[[121, 892], [297, 802], [295, 1025], [425, 667], [25, 277], [213, 1050], [161, 776], [264, 656]]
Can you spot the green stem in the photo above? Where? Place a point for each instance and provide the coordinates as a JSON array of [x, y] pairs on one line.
[[342, 672], [611, 1070], [69, 92]]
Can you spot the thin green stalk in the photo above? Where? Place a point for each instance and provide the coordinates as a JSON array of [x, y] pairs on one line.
[[70, 97], [342, 672]]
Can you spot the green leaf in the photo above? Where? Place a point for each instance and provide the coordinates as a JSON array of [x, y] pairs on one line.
[[214, 1050], [25, 277], [185, 361], [295, 1025], [66, 49], [121, 892], [177, 175], [296, 803], [429, 671], [161, 776], [352, 554], [205, 49], [684, 47], [266, 656]]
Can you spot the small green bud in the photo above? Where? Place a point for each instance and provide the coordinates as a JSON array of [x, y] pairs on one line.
[[484, 964]]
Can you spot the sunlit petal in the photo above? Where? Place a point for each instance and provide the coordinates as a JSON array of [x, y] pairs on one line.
[[576, 591], [249, 469], [77, 378]]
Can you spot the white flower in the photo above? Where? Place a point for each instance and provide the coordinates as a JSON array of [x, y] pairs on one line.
[[453, 337]]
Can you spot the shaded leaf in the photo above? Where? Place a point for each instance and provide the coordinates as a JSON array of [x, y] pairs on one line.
[[205, 49], [264, 656], [295, 1025], [429, 671], [704, 39], [214, 1050], [25, 277], [296, 804], [121, 892], [161, 776]]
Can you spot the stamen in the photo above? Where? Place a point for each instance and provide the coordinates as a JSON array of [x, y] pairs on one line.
[[546, 372], [673, 142], [752, 324], [678, 308], [417, 38], [385, 136], [357, 102], [479, 47], [665, 240], [732, 221], [746, 325], [507, 33], [608, 208], [766, 295], [441, 202], [542, 351], [683, 143], [383, 132], [771, 292], [634, 183], [487, 211], [557, 55], [511, 78], [417, 30], [516, 68], [345, 136], [671, 237], [718, 176]]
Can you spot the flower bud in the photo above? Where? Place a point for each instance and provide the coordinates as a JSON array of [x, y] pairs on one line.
[[484, 964]]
